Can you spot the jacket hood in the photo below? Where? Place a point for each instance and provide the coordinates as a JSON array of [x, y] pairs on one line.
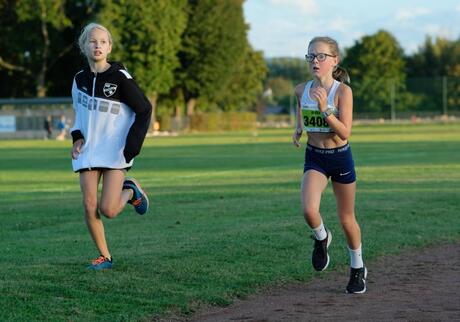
[[114, 66]]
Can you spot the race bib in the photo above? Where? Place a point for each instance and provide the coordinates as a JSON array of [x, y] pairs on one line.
[[313, 121]]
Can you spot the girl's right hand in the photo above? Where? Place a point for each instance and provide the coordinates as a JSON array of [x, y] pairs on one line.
[[76, 149], [296, 138], [319, 94]]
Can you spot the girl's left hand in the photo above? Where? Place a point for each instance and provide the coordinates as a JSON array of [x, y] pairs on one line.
[[320, 95]]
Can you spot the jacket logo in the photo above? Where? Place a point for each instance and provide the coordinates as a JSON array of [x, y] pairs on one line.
[[109, 89]]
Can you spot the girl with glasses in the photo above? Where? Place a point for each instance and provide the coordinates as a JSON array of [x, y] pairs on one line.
[[325, 112]]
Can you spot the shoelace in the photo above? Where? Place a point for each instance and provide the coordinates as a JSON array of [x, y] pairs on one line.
[[136, 202], [355, 277], [318, 243], [99, 260]]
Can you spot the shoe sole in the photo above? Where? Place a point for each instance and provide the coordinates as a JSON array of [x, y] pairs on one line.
[[138, 185], [365, 279], [99, 269], [93, 268], [329, 240]]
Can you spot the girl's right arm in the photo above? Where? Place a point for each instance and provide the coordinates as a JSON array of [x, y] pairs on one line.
[[75, 131], [76, 149], [77, 136], [299, 123]]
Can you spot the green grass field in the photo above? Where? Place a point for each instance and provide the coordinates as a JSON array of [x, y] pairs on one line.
[[225, 220]]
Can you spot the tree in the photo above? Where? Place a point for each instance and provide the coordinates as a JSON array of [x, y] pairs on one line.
[[280, 87], [281, 92], [284, 74], [12, 58], [245, 85], [434, 70], [376, 67], [439, 57], [31, 41], [213, 43], [39, 55], [294, 69], [147, 38], [70, 60]]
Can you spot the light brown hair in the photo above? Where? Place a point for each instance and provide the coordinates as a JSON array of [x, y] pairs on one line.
[[339, 73]]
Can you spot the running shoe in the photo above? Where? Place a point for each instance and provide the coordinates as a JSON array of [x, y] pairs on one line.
[[101, 263], [140, 201], [357, 283], [320, 257]]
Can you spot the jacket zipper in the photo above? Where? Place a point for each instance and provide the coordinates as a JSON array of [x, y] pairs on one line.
[[90, 127]]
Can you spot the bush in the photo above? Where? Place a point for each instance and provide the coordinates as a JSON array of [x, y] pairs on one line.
[[220, 121], [165, 122]]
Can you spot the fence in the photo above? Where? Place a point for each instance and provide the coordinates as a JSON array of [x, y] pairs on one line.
[[423, 97], [427, 97], [25, 118]]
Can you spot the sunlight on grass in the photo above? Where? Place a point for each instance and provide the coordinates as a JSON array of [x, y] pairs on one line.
[[225, 219]]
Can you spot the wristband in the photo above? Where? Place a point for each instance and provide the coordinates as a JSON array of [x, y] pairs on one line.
[[327, 112]]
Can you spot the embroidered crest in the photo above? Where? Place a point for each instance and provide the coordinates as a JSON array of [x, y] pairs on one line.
[[109, 89]]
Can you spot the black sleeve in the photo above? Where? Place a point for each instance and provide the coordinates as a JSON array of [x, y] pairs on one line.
[[133, 96], [76, 135]]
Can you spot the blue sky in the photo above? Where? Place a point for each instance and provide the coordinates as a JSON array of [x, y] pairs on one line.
[[284, 27]]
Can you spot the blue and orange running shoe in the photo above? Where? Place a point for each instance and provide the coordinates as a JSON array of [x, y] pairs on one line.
[[140, 201], [101, 263]]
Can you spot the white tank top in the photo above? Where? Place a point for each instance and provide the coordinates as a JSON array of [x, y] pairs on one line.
[[313, 121]]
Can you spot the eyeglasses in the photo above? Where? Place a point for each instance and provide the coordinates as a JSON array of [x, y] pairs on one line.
[[319, 56]]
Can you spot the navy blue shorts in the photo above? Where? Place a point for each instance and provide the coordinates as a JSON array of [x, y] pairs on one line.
[[335, 163]]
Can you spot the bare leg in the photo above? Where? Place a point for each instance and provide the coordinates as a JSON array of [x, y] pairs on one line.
[[113, 198], [89, 181], [345, 197], [313, 185]]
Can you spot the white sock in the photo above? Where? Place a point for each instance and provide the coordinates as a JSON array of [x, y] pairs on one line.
[[320, 232], [356, 258]]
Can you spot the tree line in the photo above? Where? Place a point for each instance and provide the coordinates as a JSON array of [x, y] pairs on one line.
[[382, 74], [190, 55], [186, 54]]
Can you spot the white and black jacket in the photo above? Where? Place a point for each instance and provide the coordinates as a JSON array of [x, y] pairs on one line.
[[112, 116]]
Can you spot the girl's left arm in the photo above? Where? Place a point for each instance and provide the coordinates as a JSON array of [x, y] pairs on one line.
[[133, 96], [342, 124]]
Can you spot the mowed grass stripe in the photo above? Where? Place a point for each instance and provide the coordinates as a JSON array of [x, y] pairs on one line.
[[225, 220]]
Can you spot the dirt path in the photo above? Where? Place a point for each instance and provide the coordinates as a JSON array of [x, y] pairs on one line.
[[414, 286]]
